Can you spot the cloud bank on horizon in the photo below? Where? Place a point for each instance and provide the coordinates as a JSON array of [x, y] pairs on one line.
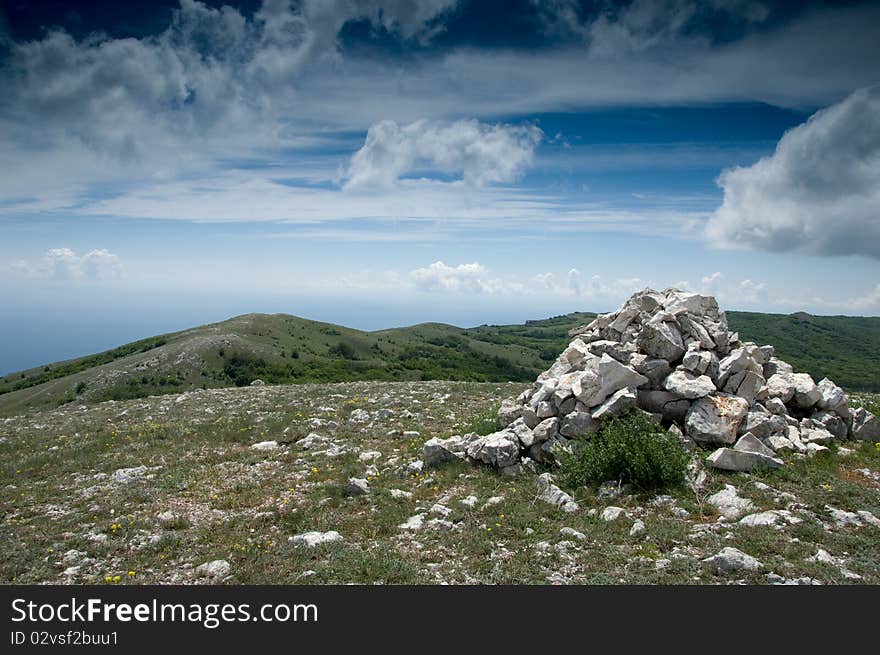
[[565, 150]]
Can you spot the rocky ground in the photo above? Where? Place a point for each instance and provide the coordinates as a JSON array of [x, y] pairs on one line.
[[325, 484]]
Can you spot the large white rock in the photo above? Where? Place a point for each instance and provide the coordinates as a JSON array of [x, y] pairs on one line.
[[762, 424], [715, 419], [498, 449], [831, 396], [522, 432], [437, 451], [662, 340], [728, 459], [617, 403], [687, 385], [866, 426], [781, 386], [774, 518], [806, 393], [749, 443], [578, 424], [608, 376], [510, 411], [545, 430]]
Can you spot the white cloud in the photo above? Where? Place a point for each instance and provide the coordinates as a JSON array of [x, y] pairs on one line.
[[477, 152], [464, 277], [710, 283], [475, 278], [751, 291], [819, 193], [574, 281], [870, 301], [63, 264]]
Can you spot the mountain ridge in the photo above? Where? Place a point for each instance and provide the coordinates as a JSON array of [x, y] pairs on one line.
[[282, 348]]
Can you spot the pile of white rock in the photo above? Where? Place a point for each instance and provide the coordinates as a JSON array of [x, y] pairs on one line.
[[668, 354]]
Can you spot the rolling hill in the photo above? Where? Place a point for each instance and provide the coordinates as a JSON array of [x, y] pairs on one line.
[[280, 348]]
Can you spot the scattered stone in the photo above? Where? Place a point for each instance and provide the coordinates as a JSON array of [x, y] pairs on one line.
[[612, 513], [312, 539], [215, 570], [637, 529], [169, 519], [359, 416], [264, 445], [729, 504], [556, 578], [468, 501], [571, 532], [357, 487], [413, 522], [731, 560], [553, 495], [775, 518], [124, 476]]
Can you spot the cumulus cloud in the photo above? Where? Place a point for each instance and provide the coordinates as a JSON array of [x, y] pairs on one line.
[[819, 192], [464, 277], [63, 264], [479, 153]]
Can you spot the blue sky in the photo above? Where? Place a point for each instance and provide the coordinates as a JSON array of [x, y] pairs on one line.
[[379, 163]]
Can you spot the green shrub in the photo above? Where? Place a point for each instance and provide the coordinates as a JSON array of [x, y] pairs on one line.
[[632, 449], [343, 350], [484, 424]]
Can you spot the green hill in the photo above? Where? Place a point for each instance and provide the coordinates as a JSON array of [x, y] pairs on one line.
[[279, 348]]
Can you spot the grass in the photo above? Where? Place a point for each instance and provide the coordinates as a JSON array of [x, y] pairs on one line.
[[57, 494]]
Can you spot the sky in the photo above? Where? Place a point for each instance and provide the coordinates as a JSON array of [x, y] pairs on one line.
[[379, 163]]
